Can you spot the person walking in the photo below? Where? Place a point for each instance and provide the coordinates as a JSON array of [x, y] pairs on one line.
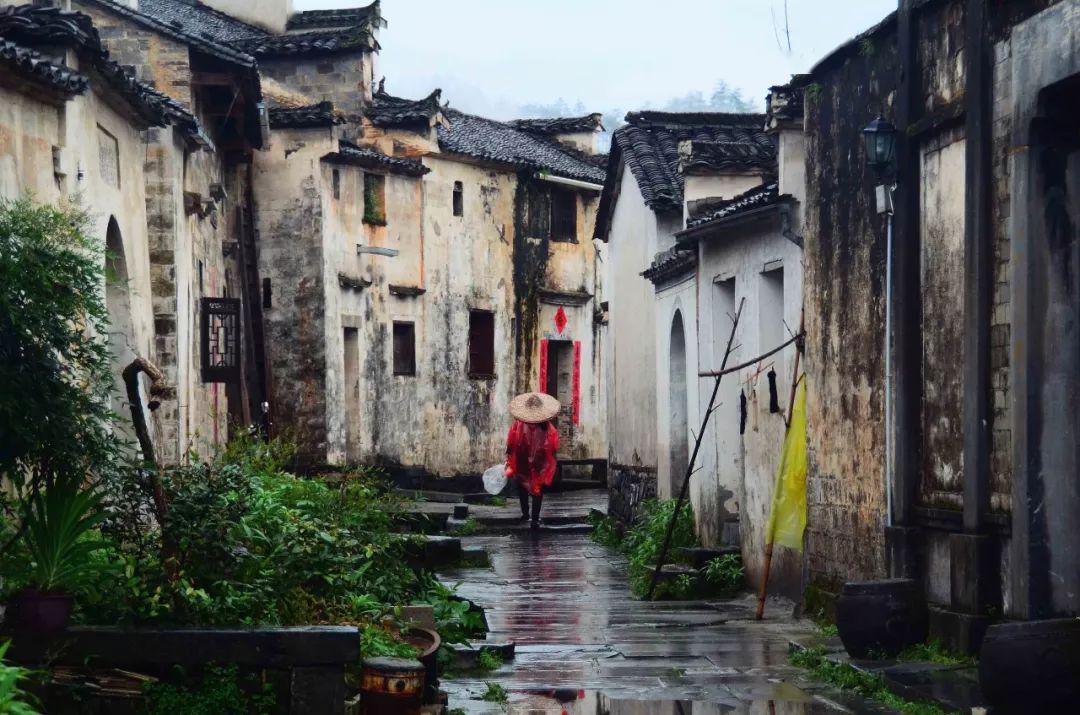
[[531, 445]]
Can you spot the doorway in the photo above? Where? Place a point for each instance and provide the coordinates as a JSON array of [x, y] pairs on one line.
[[560, 385], [677, 409], [118, 304], [352, 394]]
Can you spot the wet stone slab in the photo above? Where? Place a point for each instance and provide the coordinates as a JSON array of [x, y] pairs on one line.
[[566, 603]]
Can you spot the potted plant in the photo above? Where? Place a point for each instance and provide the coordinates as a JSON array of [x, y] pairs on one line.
[[58, 541]]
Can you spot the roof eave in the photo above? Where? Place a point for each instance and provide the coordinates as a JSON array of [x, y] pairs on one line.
[[718, 227]]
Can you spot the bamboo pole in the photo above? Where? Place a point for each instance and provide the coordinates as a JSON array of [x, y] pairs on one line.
[[693, 457], [787, 422]]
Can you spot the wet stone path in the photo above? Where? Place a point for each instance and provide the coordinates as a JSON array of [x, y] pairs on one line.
[[582, 639]]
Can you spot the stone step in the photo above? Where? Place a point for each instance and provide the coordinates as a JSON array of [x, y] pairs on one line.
[[430, 551]]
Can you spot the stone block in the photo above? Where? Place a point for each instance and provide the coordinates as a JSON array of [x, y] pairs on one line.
[[975, 572]]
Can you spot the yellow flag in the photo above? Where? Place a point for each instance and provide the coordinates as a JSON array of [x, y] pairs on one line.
[[787, 520]]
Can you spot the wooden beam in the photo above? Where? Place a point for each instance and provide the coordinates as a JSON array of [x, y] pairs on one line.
[[214, 79]]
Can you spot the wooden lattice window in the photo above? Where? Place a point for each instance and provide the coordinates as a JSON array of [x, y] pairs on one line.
[[220, 339]]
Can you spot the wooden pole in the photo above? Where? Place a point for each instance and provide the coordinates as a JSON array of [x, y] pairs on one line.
[[693, 457], [787, 422]]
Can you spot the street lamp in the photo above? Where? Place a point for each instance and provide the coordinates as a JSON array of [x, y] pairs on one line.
[[879, 139]]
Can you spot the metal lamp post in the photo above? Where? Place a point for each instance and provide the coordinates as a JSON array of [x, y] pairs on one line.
[[879, 139]]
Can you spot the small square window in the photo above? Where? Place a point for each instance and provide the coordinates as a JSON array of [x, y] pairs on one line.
[[459, 199], [563, 216], [404, 349], [375, 199], [481, 344]]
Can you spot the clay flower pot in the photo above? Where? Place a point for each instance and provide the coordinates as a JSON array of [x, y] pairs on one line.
[[40, 612], [1032, 666], [427, 642], [880, 618]]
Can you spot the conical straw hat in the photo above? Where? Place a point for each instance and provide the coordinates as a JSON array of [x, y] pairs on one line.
[[534, 407]]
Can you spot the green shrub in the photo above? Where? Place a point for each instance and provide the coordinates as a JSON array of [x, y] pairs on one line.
[[642, 543], [13, 701], [845, 677], [220, 691], [606, 531], [456, 619], [488, 660], [725, 572], [377, 642], [495, 693]]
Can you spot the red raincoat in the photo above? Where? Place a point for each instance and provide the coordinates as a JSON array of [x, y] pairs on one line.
[[530, 451]]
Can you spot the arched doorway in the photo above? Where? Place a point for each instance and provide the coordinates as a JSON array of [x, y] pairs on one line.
[[118, 303], [677, 409]]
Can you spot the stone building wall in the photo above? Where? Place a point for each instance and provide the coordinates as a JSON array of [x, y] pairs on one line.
[[289, 222], [344, 79], [157, 60], [844, 293]]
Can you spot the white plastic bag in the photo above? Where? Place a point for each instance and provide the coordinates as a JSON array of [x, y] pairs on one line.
[[495, 479]]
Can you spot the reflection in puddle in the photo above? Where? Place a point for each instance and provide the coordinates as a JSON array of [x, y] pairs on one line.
[[581, 702]]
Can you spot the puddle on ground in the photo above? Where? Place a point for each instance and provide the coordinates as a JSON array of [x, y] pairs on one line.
[[582, 702]]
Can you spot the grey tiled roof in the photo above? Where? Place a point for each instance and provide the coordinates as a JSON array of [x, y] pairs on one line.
[[29, 64], [312, 19], [372, 159], [197, 19], [757, 197], [649, 147], [26, 24], [560, 125], [175, 29], [669, 264], [389, 111], [713, 156], [314, 115], [498, 142], [325, 31]]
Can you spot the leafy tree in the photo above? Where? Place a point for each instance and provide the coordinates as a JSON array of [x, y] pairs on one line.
[[54, 361]]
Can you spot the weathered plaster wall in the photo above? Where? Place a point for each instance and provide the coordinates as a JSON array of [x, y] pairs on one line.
[[289, 219], [941, 234], [845, 318], [632, 352], [731, 269], [678, 295]]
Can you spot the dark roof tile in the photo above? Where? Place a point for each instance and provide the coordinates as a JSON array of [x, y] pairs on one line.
[[175, 29], [389, 111], [314, 115], [373, 159], [348, 17], [52, 26], [649, 146], [560, 125], [494, 141], [201, 20], [757, 197], [30, 65], [670, 264]]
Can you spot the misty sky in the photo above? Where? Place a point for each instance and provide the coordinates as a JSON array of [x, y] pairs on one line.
[[493, 56]]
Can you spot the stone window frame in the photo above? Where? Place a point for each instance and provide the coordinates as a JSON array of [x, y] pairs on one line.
[[108, 144]]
